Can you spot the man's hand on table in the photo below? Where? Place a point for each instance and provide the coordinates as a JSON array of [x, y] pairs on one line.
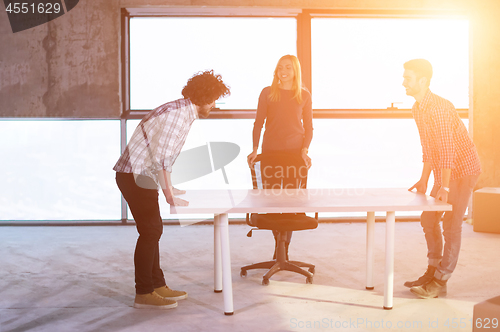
[[421, 187]]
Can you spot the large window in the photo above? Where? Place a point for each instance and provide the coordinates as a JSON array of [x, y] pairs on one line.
[[59, 170], [358, 63], [165, 52]]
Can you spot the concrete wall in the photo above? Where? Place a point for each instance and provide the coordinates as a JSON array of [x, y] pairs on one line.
[[70, 67]]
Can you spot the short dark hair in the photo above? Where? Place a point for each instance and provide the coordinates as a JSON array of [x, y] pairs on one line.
[[421, 67], [204, 88]]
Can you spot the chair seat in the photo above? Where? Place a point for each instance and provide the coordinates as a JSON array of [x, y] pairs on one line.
[[285, 222]]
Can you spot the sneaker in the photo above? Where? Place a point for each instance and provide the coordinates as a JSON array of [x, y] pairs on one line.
[[429, 290], [428, 275], [171, 294], [153, 301]]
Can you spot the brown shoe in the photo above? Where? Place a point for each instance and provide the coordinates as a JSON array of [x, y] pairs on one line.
[[153, 301], [430, 290], [428, 275], [171, 294]]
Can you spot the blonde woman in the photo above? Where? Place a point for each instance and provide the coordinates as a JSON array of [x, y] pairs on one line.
[[286, 109]]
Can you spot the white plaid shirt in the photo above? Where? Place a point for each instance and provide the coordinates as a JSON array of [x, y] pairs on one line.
[[446, 144], [158, 139]]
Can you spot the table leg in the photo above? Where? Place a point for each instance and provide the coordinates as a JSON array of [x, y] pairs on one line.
[[389, 259], [370, 235], [227, 283], [217, 256]]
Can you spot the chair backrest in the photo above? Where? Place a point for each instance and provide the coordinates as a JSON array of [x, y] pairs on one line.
[[280, 170], [277, 171]]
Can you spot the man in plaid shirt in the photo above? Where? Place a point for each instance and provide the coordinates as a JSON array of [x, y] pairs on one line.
[[450, 154], [145, 166]]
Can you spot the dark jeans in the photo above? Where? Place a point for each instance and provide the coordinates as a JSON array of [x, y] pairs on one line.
[[146, 211]]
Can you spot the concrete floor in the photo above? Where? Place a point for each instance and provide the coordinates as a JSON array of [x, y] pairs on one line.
[[81, 279]]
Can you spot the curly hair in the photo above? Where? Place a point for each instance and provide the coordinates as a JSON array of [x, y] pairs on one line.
[[204, 88]]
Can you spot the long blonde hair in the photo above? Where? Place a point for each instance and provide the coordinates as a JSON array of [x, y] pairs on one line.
[[297, 80]]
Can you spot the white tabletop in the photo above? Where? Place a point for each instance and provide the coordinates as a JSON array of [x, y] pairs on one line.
[[307, 200]]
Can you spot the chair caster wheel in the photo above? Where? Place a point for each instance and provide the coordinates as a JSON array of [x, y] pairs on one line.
[[243, 273], [265, 281], [312, 270], [309, 280]]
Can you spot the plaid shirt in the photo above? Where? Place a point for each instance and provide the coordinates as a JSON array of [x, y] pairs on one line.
[[444, 138], [158, 139]]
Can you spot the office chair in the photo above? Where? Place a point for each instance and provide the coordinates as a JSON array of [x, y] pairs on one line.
[[280, 171]]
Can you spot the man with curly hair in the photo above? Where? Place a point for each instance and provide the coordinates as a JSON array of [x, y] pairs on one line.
[[145, 166]]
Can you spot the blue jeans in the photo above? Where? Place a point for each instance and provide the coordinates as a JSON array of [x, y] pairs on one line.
[[446, 261]]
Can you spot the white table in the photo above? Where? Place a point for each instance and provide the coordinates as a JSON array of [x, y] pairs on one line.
[[223, 202]]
